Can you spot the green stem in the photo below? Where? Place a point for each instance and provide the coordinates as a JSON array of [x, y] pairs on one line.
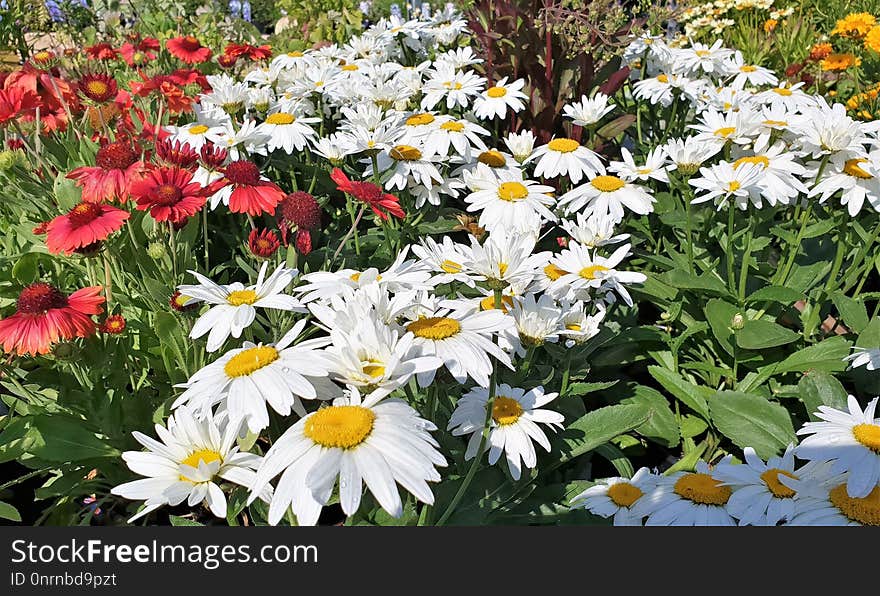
[[205, 239], [747, 254], [731, 283]]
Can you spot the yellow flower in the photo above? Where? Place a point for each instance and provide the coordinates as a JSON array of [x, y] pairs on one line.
[[855, 25], [839, 62], [872, 39], [770, 25]]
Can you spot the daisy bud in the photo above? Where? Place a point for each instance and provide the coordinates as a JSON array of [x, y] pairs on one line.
[[263, 243], [738, 322], [156, 250]]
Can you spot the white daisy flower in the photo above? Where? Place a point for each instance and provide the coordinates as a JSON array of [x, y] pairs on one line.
[[287, 131], [566, 157], [607, 195], [450, 187], [585, 272], [831, 504], [507, 200], [333, 148], [461, 135], [748, 74], [696, 498], [850, 440], [822, 130], [520, 144], [728, 127], [445, 261], [506, 258], [235, 305], [593, 230], [787, 95], [700, 58], [189, 463], [455, 87], [617, 496], [588, 111], [857, 179], [513, 424], [405, 163], [354, 441], [578, 325], [498, 99], [654, 167], [537, 321], [867, 357], [687, 155], [723, 181], [780, 183]]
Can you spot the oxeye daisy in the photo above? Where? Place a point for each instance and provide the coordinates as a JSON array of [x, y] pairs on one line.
[[607, 195], [188, 463], [245, 190], [83, 226], [506, 258], [455, 87], [748, 74], [592, 230], [249, 378], [780, 183], [654, 166], [355, 441], [498, 99], [857, 180], [169, 194], [830, 503], [461, 135], [407, 162], [867, 357], [520, 144], [578, 326], [537, 320], [849, 440], [585, 272], [566, 157], [509, 201], [117, 166], [697, 498], [513, 424], [617, 496], [728, 185], [235, 305], [589, 110], [445, 261], [287, 131]]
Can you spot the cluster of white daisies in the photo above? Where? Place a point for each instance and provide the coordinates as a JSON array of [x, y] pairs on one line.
[[360, 343]]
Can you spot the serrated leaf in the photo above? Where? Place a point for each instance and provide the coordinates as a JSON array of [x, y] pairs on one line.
[[9, 512], [759, 334], [779, 294], [692, 426], [689, 394], [818, 388], [600, 426], [752, 421], [853, 312]]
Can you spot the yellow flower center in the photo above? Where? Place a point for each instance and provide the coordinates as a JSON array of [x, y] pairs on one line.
[[295, 54], [453, 126], [702, 489], [496, 91], [202, 455], [771, 479], [97, 87], [492, 158], [435, 328], [725, 131], [865, 510], [419, 119], [554, 272], [590, 271], [239, 297], [198, 129], [775, 123], [512, 191], [868, 435], [488, 303], [250, 360], [280, 118], [451, 266], [374, 368], [782, 91], [733, 186], [506, 410], [702, 53], [853, 168], [350, 67], [563, 145], [644, 171], [342, 427], [405, 153], [663, 78], [748, 68], [573, 327], [457, 86], [607, 183], [755, 159], [319, 83], [624, 494]]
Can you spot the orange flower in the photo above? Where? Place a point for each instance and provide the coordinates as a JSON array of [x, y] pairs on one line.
[[839, 62], [770, 25], [820, 51], [872, 39], [855, 25]]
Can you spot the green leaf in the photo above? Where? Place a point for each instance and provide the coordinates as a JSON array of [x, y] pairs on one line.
[[62, 439], [869, 337], [752, 421], [759, 334], [720, 316], [691, 426], [183, 521], [600, 426], [693, 396], [818, 388], [27, 268], [779, 294], [661, 427], [853, 312], [826, 355], [585, 388], [9, 512], [708, 282], [616, 126]]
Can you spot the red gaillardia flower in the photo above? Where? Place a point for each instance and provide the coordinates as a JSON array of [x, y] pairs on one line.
[[303, 241], [98, 87], [177, 154], [82, 226], [255, 53], [45, 315], [43, 58], [188, 49], [101, 51], [299, 211], [113, 325], [182, 303], [263, 243], [248, 191], [371, 194], [15, 102], [116, 167], [169, 194], [224, 61]]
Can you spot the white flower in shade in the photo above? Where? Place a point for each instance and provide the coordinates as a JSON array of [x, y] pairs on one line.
[[748, 74], [617, 496], [455, 87], [593, 230], [520, 144], [822, 130], [653, 168], [287, 131], [226, 93], [333, 148], [188, 462], [235, 305], [867, 357], [405, 163], [585, 272], [687, 155], [723, 183], [445, 261], [696, 498], [374, 358], [507, 200], [578, 325], [566, 157], [450, 187], [495, 101], [354, 441], [463, 342], [513, 424], [659, 89], [588, 111], [537, 320], [763, 493], [607, 195], [461, 135], [260, 99], [857, 179], [249, 378], [700, 58], [780, 183], [849, 440], [506, 258], [830, 504], [726, 127]]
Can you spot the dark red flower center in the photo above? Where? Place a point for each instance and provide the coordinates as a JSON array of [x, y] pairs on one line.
[[83, 214], [244, 173], [167, 194], [366, 191], [39, 297], [116, 156], [190, 43], [301, 209]]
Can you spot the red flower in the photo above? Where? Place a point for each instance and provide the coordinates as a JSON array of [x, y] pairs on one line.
[[303, 241], [178, 102], [371, 194], [54, 93], [135, 57], [213, 156], [236, 50], [169, 194], [250, 193], [116, 168], [188, 49], [45, 315], [98, 87], [225, 61], [300, 209], [177, 154], [102, 51], [182, 303], [113, 325], [263, 243], [84, 225], [17, 102], [43, 58]]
